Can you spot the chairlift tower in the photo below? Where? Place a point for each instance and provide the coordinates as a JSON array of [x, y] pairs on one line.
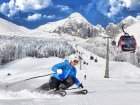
[[107, 58]]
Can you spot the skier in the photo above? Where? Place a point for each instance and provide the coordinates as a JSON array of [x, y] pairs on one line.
[[64, 76]]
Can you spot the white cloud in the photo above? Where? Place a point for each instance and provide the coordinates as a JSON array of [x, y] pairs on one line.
[[27, 5], [9, 9], [14, 6], [11, 4], [127, 3], [117, 5], [64, 8], [133, 4], [4, 8], [103, 6], [111, 8], [34, 17], [49, 16], [89, 7]]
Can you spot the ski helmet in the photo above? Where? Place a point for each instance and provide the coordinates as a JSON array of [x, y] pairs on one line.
[[73, 57]]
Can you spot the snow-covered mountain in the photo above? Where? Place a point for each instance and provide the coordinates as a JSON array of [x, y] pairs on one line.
[[114, 29], [130, 20], [7, 27], [75, 25]]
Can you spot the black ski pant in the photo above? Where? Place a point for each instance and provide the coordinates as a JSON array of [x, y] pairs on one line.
[[66, 83], [54, 83]]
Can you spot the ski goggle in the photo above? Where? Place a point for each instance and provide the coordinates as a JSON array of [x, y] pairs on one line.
[[75, 61]]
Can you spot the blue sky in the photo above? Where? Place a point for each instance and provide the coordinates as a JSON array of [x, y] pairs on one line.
[[33, 13]]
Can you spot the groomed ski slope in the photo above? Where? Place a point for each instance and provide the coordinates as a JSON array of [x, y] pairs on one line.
[[122, 88]]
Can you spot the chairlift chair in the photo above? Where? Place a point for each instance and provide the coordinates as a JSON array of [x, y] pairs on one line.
[[91, 57], [95, 60]]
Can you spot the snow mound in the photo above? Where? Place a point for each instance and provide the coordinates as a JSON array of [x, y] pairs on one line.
[[124, 70], [29, 64], [24, 94], [7, 27]]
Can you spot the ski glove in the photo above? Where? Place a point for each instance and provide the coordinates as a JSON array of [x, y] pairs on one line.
[[59, 71], [81, 86]]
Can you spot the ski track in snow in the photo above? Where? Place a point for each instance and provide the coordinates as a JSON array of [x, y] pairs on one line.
[[117, 90], [101, 92], [23, 94]]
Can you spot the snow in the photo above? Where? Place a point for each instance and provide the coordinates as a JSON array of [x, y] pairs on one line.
[[122, 88], [8, 27], [51, 26], [129, 20], [77, 17], [66, 26]]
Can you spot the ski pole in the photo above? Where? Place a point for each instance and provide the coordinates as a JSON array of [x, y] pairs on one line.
[[28, 79]]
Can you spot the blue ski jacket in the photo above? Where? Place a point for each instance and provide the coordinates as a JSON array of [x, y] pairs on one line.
[[67, 71]]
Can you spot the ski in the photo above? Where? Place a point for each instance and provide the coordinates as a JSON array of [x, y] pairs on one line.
[[79, 90], [45, 89], [63, 93], [58, 92], [83, 91]]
